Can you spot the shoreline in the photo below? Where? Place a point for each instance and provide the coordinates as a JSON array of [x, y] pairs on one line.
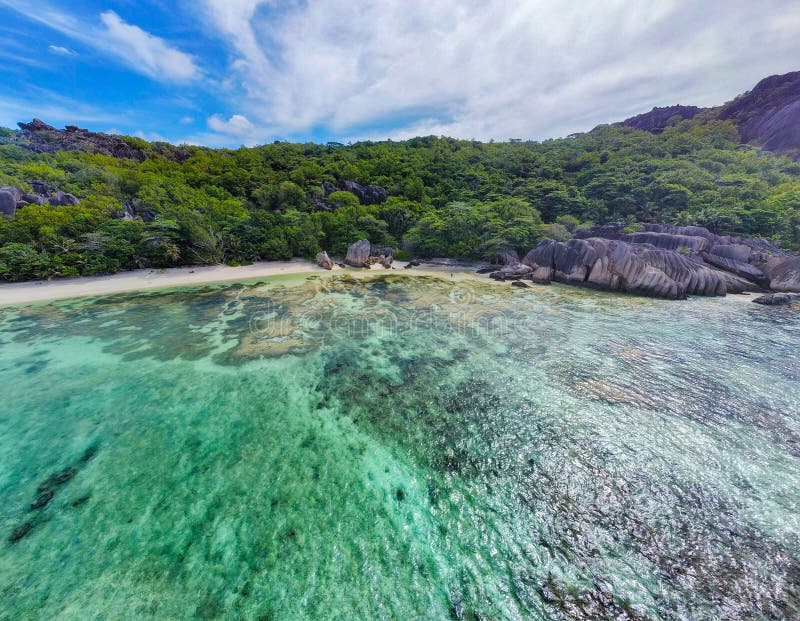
[[33, 292], [38, 291]]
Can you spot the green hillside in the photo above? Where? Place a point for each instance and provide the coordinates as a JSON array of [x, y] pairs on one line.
[[456, 198]]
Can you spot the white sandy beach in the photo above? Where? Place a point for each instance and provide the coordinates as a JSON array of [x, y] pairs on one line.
[[143, 280], [35, 291]]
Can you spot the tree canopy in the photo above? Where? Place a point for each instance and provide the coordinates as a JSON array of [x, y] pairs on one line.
[[447, 197]]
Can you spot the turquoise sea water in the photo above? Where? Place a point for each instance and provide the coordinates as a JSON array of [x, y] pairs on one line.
[[399, 448]]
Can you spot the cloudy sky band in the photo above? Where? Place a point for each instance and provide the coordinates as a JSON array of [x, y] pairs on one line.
[[231, 72]]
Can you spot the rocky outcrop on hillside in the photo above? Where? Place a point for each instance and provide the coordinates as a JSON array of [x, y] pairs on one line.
[[658, 119], [768, 115], [363, 254], [8, 203], [12, 199], [40, 137], [661, 261], [133, 209], [366, 194]]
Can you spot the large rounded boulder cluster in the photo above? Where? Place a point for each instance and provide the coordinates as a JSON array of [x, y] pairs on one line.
[[12, 198], [660, 261]]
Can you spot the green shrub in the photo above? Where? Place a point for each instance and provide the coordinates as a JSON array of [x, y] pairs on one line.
[[24, 262], [569, 221], [636, 227], [557, 232]]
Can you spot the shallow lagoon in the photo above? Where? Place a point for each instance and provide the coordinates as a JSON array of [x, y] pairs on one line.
[[399, 447]]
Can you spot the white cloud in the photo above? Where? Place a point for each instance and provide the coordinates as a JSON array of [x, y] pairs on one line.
[[61, 51], [491, 68], [150, 136], [148, 54], [467, 68], [236, 20], [237, 125], [138, 49]]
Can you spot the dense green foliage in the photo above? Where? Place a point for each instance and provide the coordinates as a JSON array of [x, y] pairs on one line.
[[447, 197]]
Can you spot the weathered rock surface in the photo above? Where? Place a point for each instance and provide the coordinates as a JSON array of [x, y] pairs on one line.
[[777, 299], [40, 137], [669, 241], [783, 272], [509, 258], [366, 194], [63, 199], [358, 253], [744, 263], [516, 269], [134, 210], [8, 204], [382, 255], [604, 264], [671, 270], [767, 115], [13, 191], [42, 188], [33, 199], [735, 252], [43, 138], [691, 231], [323, 260], [43, 192], [658, 119], [740, 268], [363, 254]]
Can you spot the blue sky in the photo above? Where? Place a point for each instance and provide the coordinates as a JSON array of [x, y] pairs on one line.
[[232, 72]]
